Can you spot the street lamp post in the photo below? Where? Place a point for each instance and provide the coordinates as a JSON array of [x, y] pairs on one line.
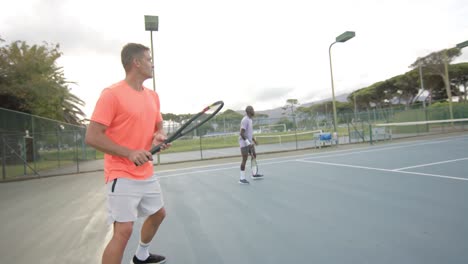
[[151, 24], [447, 84], [447, 81], [421, 80], [462, 45], [341, 38]]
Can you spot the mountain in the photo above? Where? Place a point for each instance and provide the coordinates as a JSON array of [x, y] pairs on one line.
[[278, 111]]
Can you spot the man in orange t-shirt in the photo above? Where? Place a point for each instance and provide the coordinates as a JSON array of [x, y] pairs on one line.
[[125, 123]]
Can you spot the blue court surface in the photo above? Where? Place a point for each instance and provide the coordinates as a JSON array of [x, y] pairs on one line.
[[403, 202]]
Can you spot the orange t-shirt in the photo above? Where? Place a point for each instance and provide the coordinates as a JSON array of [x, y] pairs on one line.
[[131, 117]]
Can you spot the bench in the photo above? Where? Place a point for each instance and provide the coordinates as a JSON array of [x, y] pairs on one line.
[[380, 133], [324, 138]]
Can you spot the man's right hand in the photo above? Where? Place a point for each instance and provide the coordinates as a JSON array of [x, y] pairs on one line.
[[140, 157]]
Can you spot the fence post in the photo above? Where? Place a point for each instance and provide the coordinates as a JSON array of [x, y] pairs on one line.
[[24, 156], [75, 136], [295, 135], [201, 149], [3, 158], [58, 146], [425, 116], [370, 134], [34, 147], [363, 132], [349, 132]]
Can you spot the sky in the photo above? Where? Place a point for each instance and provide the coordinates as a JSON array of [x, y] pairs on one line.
[[244, 52]]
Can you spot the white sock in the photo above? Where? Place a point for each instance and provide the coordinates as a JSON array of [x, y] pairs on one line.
[[142, 252], [242, 175]]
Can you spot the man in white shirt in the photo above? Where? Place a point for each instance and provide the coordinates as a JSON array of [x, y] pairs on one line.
[[247, 143]]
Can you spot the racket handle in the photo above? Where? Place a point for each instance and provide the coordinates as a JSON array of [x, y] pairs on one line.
[[139, 165], [155, 149]]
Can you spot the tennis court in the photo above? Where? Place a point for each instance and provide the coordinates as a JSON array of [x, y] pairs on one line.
[[399, 202]]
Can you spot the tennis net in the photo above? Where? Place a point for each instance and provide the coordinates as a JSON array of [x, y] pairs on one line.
[[389, 131], [290, 141]]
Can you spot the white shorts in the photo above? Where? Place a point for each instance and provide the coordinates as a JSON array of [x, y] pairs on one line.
[[129, 199]]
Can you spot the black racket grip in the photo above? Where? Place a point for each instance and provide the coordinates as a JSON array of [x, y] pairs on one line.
[[155, 149], [139, 165]]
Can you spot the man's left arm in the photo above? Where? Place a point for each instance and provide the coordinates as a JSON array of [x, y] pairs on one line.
[[160, 136]]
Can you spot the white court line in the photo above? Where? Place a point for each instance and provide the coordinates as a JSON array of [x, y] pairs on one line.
[[194, 170], [386, 148], [386, 170], [429, 164], [318, 155], [217, 169], [289, 158]]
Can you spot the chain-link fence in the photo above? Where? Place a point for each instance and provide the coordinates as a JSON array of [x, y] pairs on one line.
[[364, 126], [31, 146]]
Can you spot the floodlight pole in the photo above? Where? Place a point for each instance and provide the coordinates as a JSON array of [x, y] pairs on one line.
[[341, 38], [151, 24], [421, 78], [447, 83], [333, 89]]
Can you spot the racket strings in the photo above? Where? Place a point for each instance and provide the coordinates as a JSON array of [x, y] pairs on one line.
[[199, 121], [202, 119], [254, 167], [190, 127]]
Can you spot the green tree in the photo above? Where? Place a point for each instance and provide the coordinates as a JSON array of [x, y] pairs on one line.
[[407, 86], [31, 81], [229, 120], [306, 116], [170, 116], [291, 104], [286, 121], [435, 64], [459, 76], [230, 115], [365, 97], [434, 84]]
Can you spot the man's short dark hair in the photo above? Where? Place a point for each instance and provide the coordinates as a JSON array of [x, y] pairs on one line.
[[130, 52]]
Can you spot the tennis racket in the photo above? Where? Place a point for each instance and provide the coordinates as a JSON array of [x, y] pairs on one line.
[[193, 123], [254, 166]]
